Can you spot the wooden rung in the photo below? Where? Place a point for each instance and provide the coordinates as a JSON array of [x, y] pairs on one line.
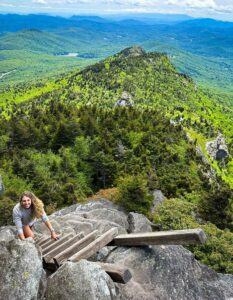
[[49, 243], [175, 237], [96, 245], [48, 257], [57, 243], [118, 273], [59, 258], [43, 240]]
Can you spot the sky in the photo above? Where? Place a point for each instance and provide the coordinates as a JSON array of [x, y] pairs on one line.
[[217, 9]]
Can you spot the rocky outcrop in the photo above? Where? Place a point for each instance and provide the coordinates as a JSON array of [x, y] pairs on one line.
[[217, 149], [21, 269], [1, 186], [132, 52], [158, 272], [80, 281], [138, 223], [167, 273], [125, 100], [158, 198]]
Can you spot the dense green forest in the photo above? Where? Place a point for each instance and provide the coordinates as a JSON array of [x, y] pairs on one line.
[[67, 139]]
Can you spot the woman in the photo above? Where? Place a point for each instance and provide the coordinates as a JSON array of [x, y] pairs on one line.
[[25, 214]]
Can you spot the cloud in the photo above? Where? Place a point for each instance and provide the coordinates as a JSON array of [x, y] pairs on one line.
[[201, 4], [194, 3], [7, 5], [116, 2]]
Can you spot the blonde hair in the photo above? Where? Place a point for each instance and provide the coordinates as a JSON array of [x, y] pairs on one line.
[[37, 204]]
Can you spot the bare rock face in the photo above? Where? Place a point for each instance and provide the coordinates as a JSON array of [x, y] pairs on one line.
[[158, 272], [169, 273], [138, 223], [80, 281], [7, 234], [125, 100], [217, 149], [132, 51], [21, 270], [158, 198]]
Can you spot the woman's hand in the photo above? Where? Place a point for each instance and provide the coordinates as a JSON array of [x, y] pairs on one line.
[[54, 236]]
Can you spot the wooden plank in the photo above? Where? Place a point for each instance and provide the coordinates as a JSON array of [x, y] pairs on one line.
[[59, 258], [57, 243], [118, 273], [96, 245], [49, 242], [175, 237], [43, 240], [48, 257]]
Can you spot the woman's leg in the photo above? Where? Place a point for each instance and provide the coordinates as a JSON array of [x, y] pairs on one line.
[[27, 231]]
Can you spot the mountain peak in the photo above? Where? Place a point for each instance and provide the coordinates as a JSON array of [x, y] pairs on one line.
[[132, 51]]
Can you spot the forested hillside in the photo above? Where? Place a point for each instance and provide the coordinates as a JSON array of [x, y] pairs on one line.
[[129, 124], [29, 45]]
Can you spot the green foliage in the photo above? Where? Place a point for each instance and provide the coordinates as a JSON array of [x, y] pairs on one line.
[[216, 252], [134, 193], [6, 208], [216, 206], [64, 153]]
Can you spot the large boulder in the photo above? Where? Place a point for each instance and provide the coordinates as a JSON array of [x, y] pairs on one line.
[[7, 234], [217, 149], [138, 223], [169, 272], [80, 281], [21, 270]]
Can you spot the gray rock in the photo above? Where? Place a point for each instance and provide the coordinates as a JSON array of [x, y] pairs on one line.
[[103, 226], [110, 215], [1, 186], [93, 204], [158, 198], [80, 281], [138, 223], [40, 227], [169, 273], [7, 234], [125, 100], [85, 227], [217, 149], [66, 210], [132, 51], [21, 270]]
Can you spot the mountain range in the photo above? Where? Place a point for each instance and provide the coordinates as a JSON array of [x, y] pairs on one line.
[[39, 39]]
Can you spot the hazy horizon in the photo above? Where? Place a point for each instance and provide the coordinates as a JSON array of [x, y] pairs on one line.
[[215, 9]]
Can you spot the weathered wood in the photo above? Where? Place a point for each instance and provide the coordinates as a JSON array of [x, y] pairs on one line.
[[43, 240], [49, 242], [175, 237], [118, 273], [48, 257], [57, 243], [59, 258], [96, 245]]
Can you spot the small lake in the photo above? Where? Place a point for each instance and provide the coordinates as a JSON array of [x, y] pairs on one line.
[[71, 54]]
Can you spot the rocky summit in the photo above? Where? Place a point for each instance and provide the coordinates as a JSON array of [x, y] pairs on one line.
[[158, 272]]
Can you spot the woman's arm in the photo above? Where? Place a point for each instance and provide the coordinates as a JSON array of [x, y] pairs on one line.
[[45, 219], [18, 222]]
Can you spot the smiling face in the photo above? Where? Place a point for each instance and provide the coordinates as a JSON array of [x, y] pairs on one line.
[[26, 202]]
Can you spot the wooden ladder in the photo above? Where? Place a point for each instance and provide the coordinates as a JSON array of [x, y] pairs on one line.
[[74, 247]]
